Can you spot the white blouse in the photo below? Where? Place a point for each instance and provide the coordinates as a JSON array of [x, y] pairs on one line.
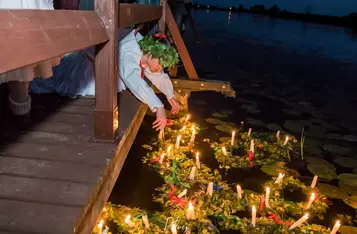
[[26, 4]]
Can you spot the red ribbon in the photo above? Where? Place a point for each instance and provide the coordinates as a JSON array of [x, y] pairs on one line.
[[142, 70], [160, 35], [277, 220], [250, 159], [262, 202], [175, 199], [169, 122]]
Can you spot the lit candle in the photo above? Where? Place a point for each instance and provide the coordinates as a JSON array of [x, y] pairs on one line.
[[192, 140], [336, 227], [100, 226], [106, 230], [146, 221], [249, 131], [252, 146], [224, 151], [198, 164], [311, 200], [183, 128], [162, 158], [279, 179], [169, 150], [129, 222], [233, 136], [192, 174], [190, 212], [314, 181], [254, 215], [187, 118], [173, 229], [299, 222], [161, 134], [239, 191], [210, 189], [286, 140], [178, 140], [267, 194], [183, 193]]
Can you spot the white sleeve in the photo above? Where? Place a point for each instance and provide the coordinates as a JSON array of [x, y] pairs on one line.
[[130, 73], [162, 82]]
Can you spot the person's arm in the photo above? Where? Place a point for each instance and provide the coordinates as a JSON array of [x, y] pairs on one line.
[[130, 73]]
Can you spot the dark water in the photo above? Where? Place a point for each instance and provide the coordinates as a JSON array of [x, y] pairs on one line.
[[274, 65]]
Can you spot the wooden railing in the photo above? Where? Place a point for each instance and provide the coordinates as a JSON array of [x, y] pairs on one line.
[[31, 36]]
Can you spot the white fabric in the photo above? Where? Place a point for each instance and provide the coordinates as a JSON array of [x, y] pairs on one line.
[[130, 55], [26, 4]]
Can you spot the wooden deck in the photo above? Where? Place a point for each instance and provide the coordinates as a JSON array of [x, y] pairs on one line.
[[53, 177]]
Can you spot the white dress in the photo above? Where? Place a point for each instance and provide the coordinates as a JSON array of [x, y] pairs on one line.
[[43, 69]]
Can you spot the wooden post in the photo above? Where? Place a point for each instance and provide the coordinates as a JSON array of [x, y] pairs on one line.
[[180, 44], [106, 73], [162, 23]]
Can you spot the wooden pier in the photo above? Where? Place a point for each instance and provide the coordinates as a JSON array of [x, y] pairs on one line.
[[58, 169]]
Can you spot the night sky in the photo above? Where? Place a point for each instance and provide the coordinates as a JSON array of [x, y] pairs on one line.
[[329, 7]]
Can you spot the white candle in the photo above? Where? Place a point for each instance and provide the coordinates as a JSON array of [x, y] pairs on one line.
[[233, 136], [252, 146], [192, 174], [267, 194], [299, 222], [198, 164], [254, 215], [239, 191], [183, 193], [311, 200], [183, 128], [178, 140], [162, 158], [314, 181], [286, 140], [279, 179], [129, 222], [106, 230], [278, 135], [187, 118], [210, 189], [190, 212], [249, 131], [100, 226], [173, 229], [224, 151], [169, 150], [146, 221], [336, 227], [192, 140]]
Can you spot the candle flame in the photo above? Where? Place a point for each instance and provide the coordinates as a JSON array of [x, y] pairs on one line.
[[187, 117], [193, 127], [312, 195], [254, 209], [169, 148], [183, 128], [338, 223], [190, 206], [197, 155], [100, 224], [268, 189], [127, 219], [306, 215]]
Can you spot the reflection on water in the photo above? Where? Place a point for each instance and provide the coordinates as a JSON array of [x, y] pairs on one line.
[[306, 38]]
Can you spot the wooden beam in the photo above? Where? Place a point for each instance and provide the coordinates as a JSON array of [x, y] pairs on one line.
[[203, 85], [162, 21], [131, 14], [106, 73], [110, 175], [31, 36], [180, 44]]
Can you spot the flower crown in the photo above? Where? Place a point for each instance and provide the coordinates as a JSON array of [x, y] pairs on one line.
[[167, 55]]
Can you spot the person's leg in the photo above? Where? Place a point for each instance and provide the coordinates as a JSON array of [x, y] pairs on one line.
[[19, 100]]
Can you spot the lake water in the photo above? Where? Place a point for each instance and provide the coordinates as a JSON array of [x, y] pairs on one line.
[[287, 75]]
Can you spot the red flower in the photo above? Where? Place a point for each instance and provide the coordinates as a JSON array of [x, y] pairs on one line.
[[160, 35], [169, 122], [260, 146]]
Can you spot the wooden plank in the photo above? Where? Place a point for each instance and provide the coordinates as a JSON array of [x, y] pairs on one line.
[[31, 36], [204, 85], [44, 191], [180, 45], [162, 21], [106, 79], [50, 170], [85, 154], [26, 217], [131, 14], [92, 211], [129, 105]]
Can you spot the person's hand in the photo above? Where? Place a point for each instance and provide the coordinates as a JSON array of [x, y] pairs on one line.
[[175, 106], [160, 122]]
